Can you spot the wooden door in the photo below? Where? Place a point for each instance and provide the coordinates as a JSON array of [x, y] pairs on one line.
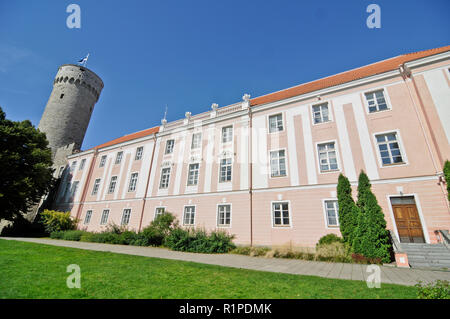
[[408, 223]]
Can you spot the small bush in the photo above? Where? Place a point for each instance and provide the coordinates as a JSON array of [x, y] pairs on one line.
[[74, 235], [57, 235], [57, 221], [360, 259], [127, 238], [242, 250], [335, 251], [259, 251], [157, 231], [199, 241], [329, 239], [437, 290]]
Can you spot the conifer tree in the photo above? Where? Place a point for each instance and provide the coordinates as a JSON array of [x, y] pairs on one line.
[[447, 177], [371, 238], [348, 211]]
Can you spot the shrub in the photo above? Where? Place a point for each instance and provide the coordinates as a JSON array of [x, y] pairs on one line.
[[334, 251], [199, 241], [157, 231], [437, 290], [259, 251], [57, 235], [22, 227], [74, 235], [329, 239], [115, 229], [127, 238], [371, 237], [348, 211], [447, 177], [57, 221], [361, 259], [242, 250]]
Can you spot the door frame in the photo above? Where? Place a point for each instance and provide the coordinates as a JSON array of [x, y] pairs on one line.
[[419, 211]]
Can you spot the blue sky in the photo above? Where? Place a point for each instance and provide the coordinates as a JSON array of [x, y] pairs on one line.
[[189, 54]]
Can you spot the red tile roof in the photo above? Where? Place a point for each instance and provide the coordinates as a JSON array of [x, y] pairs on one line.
[[129, 137], [348, 76]]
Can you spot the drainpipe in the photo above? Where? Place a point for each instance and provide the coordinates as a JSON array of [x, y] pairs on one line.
[[86, 185], [250, 163], [405, 72], [148, 182]]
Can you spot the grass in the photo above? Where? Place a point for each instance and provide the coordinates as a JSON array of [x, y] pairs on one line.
[[31, 270]]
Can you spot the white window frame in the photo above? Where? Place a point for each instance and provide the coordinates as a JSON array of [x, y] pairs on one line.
[[139, 153], [218, 215], [110, 184], [166, 150], [273, 213], [330, 113], [73, 166], [168, 178], [130, 188], [400, 143], [82, 163], [231, 137], [74, 189], [87, 217], [324, 205], [103, 216], [189, 174], [156, 211], [103, 160], [386, 98], [199, 146], [95, 190], [184, 213], [282, 122], [285, 163], [119, 157], [338, 161], [124, 217], [220, 168]]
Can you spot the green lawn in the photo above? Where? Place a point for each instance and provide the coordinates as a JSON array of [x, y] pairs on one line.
[[31, 270]]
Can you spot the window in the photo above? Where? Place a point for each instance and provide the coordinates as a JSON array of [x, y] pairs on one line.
[[126, 216], [275, 123], [61, 96], [389, 149], [61, 170], [83, 161], [327, 157], [227, 134], [133, 182], [376, 101], [103, 161], [165, 176], [224, 215], [112, 185], [96, 186], [74, 188], [119, 157], [278, 163], [331, 210], [159, 211], [105, 216], [189, 215], [193, 174], [139, 152], [87, 218], [169, 146], [72, 167], [320, 113], [66, 189], [225, 170], [280, 213], [196, 140]]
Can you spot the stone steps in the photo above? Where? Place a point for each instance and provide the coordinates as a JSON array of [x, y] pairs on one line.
[[427, 255]]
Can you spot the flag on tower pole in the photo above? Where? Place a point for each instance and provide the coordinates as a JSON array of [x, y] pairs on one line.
[[83, 61]]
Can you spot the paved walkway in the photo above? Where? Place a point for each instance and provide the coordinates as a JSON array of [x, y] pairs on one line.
[[393, 275]]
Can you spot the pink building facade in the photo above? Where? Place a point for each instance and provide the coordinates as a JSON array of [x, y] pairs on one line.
[[266, 169]]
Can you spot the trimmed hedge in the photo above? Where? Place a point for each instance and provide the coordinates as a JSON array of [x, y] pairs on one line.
[[199, 241]]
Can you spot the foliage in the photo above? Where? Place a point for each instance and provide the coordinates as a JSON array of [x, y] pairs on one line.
[[361, 259], [371, 237], [328, 239], [336, 251], [348, 211], [157, 231], [57, 234], [57, 221], [440, 289], [74, 235], [22, 227], [447, 177], [199, 241], [25, 167]]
